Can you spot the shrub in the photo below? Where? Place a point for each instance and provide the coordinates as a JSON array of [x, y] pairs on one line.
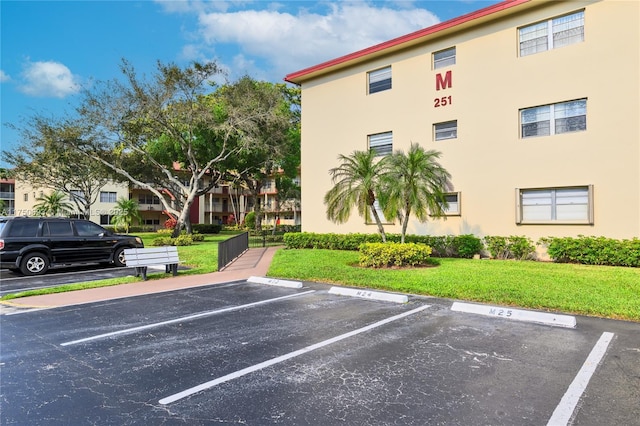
[[250, 220], [513, 247], [593, 250], [197, 237], [380, 255], [183, 240], [299, 240], [467, 245], [206, 228], [163, 241]]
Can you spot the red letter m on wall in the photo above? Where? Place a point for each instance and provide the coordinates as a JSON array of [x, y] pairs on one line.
[[443, 83]]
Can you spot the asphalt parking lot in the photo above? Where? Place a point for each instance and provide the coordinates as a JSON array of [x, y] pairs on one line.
[[256, 354]]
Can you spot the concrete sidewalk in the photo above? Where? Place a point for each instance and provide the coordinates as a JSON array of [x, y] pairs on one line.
[[254, 262]]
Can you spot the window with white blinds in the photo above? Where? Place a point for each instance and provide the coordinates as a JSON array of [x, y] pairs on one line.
[[446, 130], [379, 80], [548, 205], [453, 204], [108, 197], [444, 58], [551, 34], [554, 119], [381, 143]]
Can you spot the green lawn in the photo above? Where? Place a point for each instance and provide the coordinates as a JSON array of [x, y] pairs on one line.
[[604, 291], [612, 292]]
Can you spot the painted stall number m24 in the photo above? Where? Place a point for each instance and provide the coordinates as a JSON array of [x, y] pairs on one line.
[[443, 83]]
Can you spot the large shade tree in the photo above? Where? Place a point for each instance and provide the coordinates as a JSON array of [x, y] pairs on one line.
[[45, 162], [356, 184], [172, 134], [414, 183], [279, 151]]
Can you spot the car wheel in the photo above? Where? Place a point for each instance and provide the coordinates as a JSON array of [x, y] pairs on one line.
[[118, 257], [34, 264]]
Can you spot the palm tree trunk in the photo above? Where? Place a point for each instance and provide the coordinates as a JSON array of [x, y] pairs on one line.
[[378, 223]]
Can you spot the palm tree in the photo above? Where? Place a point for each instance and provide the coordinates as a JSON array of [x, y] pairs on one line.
[[127, 211], [356, 181], [416, 183], [52, 205]]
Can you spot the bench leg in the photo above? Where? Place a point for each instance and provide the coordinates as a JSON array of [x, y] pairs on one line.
[[142, 270], [174, 269]]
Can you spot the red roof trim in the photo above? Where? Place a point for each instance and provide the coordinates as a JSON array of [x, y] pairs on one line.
[[409, 37]]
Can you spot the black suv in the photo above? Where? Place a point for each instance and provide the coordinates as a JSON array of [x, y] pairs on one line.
[[33, 244]]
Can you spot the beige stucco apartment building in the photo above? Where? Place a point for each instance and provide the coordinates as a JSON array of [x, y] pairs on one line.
[[534, 106]]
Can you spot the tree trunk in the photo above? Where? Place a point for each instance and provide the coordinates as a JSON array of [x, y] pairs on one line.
[[405, 222], [378, 223], [183, 218]]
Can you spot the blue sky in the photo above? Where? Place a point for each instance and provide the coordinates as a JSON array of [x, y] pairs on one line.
[[50, 50]]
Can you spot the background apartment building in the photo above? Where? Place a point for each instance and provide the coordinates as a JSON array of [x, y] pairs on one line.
[[221, 205], [534, 106]]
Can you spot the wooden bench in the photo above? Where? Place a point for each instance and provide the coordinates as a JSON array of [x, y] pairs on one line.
[[141, 258]]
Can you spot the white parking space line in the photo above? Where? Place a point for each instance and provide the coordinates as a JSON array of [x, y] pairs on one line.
[[282, 358], [563, 412], [183, 319]]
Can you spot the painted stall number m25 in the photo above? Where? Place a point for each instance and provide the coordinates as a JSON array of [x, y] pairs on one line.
[[501, 312], [443, 83]]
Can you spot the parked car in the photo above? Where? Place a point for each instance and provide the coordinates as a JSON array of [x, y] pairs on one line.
[[32, 245]]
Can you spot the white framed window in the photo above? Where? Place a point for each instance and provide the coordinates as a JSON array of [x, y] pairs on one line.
[[446, 130], [444, 58], [108, 197], [562, 205], [381, 143], [554, 119], [105, 219], [552, 33], [453, 204], [379, 80]]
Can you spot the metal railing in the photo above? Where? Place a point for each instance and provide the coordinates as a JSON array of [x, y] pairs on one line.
[[266, 238], [229, 249]]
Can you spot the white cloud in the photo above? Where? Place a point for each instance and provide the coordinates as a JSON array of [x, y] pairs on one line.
[[4, 77], [292, 42], [49, 79]]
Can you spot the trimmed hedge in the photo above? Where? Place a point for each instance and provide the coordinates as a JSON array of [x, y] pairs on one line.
[[585, 250], [384, 255], [593, 250], [442, 246], [206, 228]]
